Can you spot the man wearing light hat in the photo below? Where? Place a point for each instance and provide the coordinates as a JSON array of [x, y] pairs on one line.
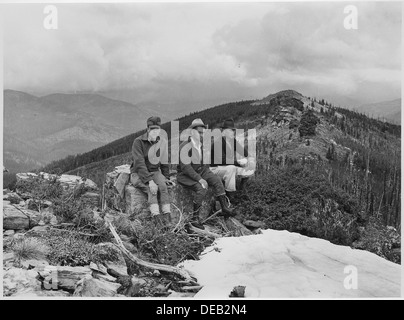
[[197, 176], [150, 175]]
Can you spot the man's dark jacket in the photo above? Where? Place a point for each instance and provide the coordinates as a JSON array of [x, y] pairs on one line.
[[141, 164], [216, 160], [189, 174]]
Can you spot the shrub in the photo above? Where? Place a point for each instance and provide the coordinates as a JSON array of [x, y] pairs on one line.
[[300, 199], [381, 240], [66, 211], [30, 248], [71, 249], [166, 247], [40, 188]]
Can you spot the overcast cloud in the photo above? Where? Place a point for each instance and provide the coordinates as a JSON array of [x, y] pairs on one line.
[[240, 50]]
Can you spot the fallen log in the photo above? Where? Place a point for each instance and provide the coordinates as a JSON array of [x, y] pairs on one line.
[[204, 233], [154, 266], [237, 227]]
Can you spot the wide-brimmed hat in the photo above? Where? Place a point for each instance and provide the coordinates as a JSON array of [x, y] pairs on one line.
[[153, 122], [228, 124], [197, 123]]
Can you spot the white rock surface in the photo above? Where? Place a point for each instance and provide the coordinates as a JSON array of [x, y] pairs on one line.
[[17, 280], [280, 264], [113, 175], [25, 176], [72, 181]]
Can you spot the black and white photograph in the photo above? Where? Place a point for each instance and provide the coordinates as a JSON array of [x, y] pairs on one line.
[[195, 151]]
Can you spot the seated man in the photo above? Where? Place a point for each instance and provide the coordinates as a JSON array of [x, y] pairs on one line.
[[151, 176], [197, 176], [226, 165]]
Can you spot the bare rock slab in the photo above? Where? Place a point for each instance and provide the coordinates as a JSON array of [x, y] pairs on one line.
[[90, 287]]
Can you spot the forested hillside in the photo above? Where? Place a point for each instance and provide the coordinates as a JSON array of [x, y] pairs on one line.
[[352, 161]]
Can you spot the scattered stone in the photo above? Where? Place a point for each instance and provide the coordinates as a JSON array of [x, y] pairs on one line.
[[48, 176], [254, 224], [90, 287], [90, 184], [38, 230], [54, 221], [115, 268], [156, 273], [98, 267], [101, 276], [18, 236], [238, 291], [131, 286], [257, 231], [8, 233], [96, 216], [69, 276], [161, 287], [8, 257]]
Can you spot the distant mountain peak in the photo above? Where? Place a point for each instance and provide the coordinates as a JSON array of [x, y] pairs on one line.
[[289, 92], [281, 94]]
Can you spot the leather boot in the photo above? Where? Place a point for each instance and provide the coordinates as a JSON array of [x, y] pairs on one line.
[[226, 210], [195, 221], [166, 208], [243, 183]]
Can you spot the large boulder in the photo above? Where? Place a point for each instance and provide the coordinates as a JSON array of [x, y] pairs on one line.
[[14, 219], [67, 277], [135, 200], [90, 287], [18, 218]]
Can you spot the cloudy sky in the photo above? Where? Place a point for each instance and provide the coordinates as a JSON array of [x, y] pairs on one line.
[[212, 51]]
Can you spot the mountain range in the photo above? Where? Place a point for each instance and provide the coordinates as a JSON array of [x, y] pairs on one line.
[[387, 110], [39, 130]]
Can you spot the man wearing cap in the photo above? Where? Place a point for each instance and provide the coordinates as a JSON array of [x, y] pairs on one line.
[[150, 175], [196, 175], [233, 161]]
